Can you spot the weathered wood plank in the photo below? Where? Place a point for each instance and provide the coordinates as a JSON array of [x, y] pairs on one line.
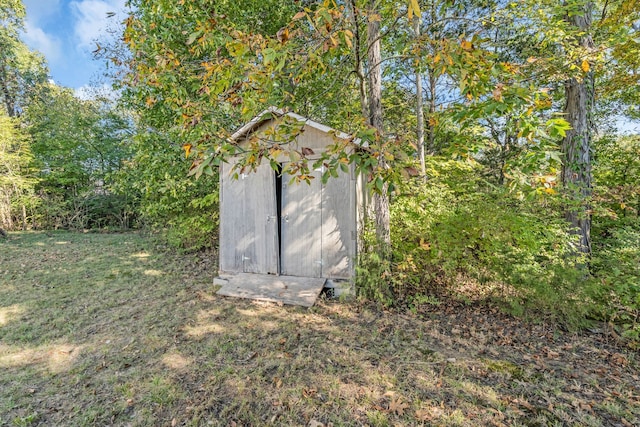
[[248, 222], [232, 220], [338, 226], [301, 233], [282, 289], [261, 252]]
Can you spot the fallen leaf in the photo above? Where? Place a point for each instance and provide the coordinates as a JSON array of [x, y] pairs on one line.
[[277, 382], [398, 406]]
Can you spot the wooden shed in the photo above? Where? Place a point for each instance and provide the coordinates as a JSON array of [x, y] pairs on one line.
[[284, 241]]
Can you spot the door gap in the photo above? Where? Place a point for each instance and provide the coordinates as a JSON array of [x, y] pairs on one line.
[[278, 173]]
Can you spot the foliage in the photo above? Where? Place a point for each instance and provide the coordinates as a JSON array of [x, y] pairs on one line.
[[78, 145], [21, 69], [374, 281], [454, 232], [17, 176], [616, 231], [167, 200], [489, 211]]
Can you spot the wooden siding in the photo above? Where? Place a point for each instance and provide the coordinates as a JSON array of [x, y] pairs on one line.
[[319, 223], [248, 222], [338, 226], [301, 252]]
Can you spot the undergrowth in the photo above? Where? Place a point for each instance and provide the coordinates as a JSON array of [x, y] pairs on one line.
[[457, 235]]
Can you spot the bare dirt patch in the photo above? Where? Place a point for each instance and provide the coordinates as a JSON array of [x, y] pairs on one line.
[[112, 329]]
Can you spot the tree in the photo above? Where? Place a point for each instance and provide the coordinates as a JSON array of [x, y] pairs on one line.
[[78, 145], [576, 145], [17, 176], [374, 61], [21, 69]]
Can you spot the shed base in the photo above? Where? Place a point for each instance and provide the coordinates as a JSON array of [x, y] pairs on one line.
[[263, 287]]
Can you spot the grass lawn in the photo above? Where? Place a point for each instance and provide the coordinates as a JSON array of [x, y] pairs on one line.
[[112, 329]]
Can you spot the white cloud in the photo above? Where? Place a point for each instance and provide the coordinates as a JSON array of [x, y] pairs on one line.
[[91, 19], [39, 10], [47, 44], [88, 92]]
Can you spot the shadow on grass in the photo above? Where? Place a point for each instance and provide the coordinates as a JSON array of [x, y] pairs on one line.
[[112, 330]]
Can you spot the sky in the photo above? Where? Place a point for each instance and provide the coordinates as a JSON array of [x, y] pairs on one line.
[[65, 31]]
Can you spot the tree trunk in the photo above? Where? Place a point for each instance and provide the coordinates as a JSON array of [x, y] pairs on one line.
[[24, 218], [374, 58], [9, 103], [576, 146], [419, 103], [362, 84], [431, 137]]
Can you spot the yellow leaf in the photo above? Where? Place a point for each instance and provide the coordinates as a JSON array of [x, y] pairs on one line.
[[436, 58], [187, 149], [466, 45], [347, 38], [283, 35], [414, 9], [585, 66]]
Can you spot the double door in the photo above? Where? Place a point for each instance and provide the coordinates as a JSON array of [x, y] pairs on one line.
[[271, 225]]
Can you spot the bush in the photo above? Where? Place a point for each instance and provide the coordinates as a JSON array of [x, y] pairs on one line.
[[478, 241], [616, 269]]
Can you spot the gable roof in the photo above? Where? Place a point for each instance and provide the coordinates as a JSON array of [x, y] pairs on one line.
[[272, 112]]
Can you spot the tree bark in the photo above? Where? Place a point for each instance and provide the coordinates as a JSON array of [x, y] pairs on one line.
[[9, 103], [374, 58], [419, 103], [362, 84], [576, 146]]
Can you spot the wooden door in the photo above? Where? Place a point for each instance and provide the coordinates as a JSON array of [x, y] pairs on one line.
[[248, 221], [300, 248], [338, 226]]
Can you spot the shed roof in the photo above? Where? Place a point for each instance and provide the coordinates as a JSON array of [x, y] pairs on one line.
[[272, 112]]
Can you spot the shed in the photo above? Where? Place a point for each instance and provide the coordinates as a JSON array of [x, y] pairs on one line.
[[281, 240]]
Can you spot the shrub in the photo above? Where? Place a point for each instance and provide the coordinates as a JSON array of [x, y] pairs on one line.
[[453, 231]]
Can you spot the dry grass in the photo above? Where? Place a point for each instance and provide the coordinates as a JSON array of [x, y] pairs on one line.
[[110, 329]]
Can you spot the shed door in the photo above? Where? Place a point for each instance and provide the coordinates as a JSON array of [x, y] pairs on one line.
[[301, 221], [338, 226], [248, 222]]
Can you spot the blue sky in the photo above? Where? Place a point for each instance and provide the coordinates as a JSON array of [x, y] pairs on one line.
[[65, 32]]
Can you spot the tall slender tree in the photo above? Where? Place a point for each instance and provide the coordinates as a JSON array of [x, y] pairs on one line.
[[375, 119], [576, 145]]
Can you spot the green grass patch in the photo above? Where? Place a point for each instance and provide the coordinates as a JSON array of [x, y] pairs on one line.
[[114, 329]]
